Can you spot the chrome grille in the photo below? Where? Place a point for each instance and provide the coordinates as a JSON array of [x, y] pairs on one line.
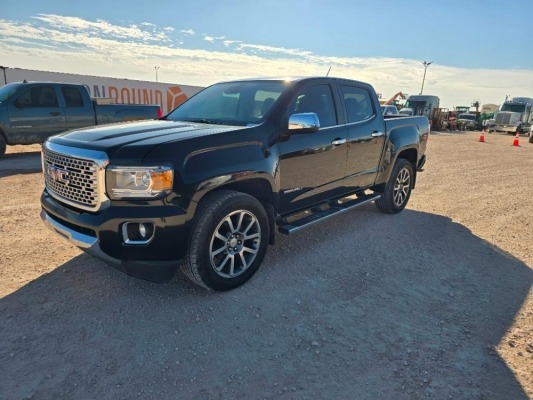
[[503, 118], [75, 176]]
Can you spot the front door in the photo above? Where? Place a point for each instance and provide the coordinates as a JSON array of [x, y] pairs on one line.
[[312, 165], [35, 115]]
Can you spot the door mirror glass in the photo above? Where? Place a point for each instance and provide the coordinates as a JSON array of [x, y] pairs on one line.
[[304, 123]]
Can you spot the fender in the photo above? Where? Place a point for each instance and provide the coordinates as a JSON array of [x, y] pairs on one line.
[[248, 167], [404, 142]]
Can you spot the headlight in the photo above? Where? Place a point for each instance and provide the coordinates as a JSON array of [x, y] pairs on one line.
[[138, 182]]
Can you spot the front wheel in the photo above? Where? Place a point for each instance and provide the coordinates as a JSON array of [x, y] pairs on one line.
[[228, 241], [398, 189]]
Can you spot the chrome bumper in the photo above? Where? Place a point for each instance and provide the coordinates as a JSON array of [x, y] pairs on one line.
[[156, 271], [88, 244]]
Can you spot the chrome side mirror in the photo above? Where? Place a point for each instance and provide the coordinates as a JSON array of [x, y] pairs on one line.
[[304, 123]]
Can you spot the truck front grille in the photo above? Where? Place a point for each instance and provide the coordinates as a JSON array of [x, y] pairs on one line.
[[503, 118], [75, 179]]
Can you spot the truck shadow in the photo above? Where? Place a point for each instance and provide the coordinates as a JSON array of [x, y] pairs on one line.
[[20, 163], [373, 306]]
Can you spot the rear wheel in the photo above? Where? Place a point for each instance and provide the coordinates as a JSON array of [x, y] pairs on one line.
[[228, 241], [398, 188]]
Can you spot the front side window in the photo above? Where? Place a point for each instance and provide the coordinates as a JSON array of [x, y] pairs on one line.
[[357, 103], [38, 96], [317, 99]]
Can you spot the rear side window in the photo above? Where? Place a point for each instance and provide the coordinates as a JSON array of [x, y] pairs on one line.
[[358, 104], [38, 96], [72, 96]]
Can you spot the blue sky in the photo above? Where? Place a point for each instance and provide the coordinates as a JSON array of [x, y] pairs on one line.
[[479, 50]]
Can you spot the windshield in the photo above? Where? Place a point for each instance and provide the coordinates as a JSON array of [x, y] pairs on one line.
[[418, 107], [6, 91], [519, 108], [231, 103], [471, 117]]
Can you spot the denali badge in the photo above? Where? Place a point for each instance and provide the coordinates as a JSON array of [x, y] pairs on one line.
[[58, 175]]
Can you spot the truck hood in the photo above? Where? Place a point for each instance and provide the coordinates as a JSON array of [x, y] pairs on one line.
[[137, 138]]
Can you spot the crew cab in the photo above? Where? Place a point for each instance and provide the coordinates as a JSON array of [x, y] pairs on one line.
[[30, 112], [207, 186]]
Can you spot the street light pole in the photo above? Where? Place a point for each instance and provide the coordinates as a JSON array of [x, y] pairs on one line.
[[156, 69], [426, 65]]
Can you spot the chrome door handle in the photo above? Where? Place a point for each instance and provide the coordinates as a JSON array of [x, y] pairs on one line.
[[377, 134], [338, 141]]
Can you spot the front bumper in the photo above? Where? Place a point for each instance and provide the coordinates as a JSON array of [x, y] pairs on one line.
[[100, 235]]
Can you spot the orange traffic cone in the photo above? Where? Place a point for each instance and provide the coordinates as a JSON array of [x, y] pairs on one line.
[[516, 141], [482, 137]]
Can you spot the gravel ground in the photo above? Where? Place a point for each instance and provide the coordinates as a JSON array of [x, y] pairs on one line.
[[434, 302]]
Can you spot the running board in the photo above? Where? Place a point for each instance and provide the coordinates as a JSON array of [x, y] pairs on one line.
[[320, 215]]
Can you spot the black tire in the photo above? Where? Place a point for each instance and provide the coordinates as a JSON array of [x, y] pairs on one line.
[[2, 146], [398, 189], [242, 222]]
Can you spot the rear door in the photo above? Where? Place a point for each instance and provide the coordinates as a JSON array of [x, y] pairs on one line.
[[312, 165], [366, 136], [35, 115]]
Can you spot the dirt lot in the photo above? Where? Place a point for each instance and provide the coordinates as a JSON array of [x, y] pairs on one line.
[[435, 302]]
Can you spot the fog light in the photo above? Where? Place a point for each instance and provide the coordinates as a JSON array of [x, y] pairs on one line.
[[138, 232], [142, 230]]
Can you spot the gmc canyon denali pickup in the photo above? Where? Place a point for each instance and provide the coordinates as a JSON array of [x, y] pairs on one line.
[[208, 184], [30, 112]]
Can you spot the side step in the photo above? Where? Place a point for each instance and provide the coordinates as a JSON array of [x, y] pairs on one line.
[[319, 215]]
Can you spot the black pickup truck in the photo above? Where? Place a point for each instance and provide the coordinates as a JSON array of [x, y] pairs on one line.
[[207, 186]]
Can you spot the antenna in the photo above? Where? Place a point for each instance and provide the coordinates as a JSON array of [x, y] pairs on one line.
[[328, 71]]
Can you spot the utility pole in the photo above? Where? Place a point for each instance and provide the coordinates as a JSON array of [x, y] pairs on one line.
[[5, 78], [156, 69], [426, 65]]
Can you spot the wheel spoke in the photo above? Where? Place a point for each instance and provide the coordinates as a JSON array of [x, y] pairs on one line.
[[252, 222], [230, 223], [223, 263], [249, 250], [244, 263], [239, 224], [218, 235], [232, 266], [218, 251], [252, 236]]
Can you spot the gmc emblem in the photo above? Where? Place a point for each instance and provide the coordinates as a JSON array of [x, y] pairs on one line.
[[57, 175]]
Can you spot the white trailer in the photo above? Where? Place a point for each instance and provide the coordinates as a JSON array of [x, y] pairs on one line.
[[123, 91]]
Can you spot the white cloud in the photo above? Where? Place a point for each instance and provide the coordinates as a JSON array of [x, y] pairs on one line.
[[188, 32], [212, 39], [70, 44], [228, 43]]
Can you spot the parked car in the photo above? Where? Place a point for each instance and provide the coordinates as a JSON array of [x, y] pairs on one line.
[[467, 121], [206, 186]]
